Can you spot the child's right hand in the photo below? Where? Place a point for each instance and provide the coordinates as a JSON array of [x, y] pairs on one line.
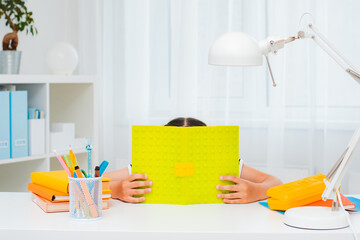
[[127, 188]]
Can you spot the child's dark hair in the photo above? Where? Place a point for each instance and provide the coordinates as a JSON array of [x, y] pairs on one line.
[[186, 122]]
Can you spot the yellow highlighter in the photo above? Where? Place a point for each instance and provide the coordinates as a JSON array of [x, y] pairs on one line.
[[73, 158]]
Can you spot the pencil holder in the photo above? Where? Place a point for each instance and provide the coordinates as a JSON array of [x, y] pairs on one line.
[[85, 198]]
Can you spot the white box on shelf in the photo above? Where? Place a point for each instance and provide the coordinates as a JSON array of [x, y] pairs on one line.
[[36, 136], [58, 142], [68, 129], [62, 135]]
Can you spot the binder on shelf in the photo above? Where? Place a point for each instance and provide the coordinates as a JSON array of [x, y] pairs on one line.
[[18, 124], [36, 136], [4, 125]]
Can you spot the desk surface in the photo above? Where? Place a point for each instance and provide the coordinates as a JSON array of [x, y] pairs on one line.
[[20, 217]]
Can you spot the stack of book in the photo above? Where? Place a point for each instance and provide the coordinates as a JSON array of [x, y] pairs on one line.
[[50, 191]]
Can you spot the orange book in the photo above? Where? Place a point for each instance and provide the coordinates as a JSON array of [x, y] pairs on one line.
[[328, 203], [59, 180], [56, 196], [49, 207], [276, 204]]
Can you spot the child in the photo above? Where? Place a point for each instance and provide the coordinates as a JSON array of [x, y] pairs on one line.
[[251, 186]]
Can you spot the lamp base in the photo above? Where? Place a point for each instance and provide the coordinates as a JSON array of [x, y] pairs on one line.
[[316, 218]]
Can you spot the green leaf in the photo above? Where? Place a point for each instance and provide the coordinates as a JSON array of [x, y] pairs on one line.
[[18, 14], [18, 11]]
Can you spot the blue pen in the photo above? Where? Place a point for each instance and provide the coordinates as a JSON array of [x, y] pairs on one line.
[[89, 148], [103, 166]]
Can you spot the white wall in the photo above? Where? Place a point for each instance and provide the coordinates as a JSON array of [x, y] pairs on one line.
[[58, 20], [304, 124]]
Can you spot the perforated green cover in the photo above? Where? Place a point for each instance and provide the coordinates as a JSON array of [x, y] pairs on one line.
[[185, 163]]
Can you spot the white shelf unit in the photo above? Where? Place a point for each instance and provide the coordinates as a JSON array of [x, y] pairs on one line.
[[63, 99]]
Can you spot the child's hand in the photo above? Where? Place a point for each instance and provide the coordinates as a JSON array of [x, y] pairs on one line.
[[126, 188], [242, 192]]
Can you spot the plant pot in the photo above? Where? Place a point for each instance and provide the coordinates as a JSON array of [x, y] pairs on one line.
[[10, 62]]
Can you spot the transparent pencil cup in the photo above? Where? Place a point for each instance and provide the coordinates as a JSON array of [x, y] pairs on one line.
[[85, 198]]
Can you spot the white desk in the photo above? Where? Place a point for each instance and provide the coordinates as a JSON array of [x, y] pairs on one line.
[[20, 218]]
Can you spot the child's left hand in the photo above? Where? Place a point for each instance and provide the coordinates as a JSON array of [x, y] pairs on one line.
[[242, 192]]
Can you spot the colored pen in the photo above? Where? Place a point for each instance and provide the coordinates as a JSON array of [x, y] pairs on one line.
[[88, 149], [78, 172], [103, 166], [97, 171], [85, 175], [63, 164]]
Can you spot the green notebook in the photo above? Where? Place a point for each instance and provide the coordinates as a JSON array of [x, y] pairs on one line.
[[185, 163]]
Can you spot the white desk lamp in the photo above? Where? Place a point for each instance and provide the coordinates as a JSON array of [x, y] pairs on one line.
[[240, 49]]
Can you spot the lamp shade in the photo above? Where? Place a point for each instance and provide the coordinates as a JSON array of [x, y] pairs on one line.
[[235, 49]]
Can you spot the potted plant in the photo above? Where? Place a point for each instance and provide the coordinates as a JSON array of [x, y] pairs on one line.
[[19, 19]]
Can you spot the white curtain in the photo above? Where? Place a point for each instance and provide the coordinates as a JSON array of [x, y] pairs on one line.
[[155, 69]]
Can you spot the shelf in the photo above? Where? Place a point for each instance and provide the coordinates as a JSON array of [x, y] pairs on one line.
[[22, 159], [49, 93], [51, 79], [38, 157]]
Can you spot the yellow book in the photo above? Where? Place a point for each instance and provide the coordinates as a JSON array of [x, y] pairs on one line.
[[57, 180], [185, 163]]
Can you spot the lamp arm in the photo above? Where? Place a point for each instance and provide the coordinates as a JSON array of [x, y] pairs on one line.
[[273, 44], [331, 46], [270, 45], [271, 74], [336, 174], [325, 45]]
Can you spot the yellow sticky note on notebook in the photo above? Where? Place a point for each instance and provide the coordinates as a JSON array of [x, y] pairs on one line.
[[185, 163], [184, 169]]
